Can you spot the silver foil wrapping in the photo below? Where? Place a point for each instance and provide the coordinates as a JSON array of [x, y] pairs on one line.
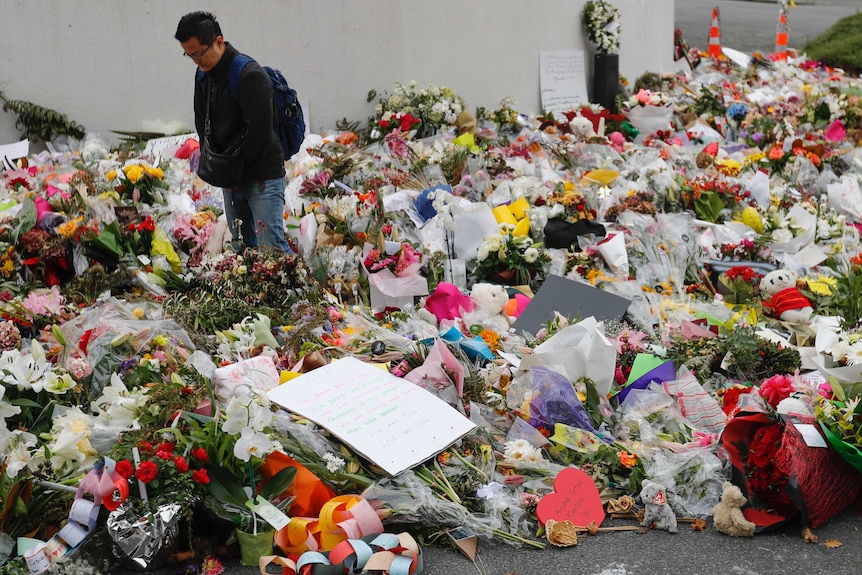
[[144, 542]]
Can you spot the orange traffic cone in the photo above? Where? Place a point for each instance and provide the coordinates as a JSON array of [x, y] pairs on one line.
[[714, 48], [781, 34]]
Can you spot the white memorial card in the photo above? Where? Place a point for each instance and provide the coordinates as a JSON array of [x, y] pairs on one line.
[[389, 420], [562, 81]]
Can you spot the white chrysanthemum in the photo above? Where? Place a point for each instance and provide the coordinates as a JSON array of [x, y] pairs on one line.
[[853, 355], [521, 450], [531, 255]]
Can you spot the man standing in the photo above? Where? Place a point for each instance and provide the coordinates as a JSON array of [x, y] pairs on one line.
[[254, 205]]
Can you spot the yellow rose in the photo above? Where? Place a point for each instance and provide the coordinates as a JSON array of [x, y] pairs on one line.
[[111, 176], [155, 172], [133, 172]]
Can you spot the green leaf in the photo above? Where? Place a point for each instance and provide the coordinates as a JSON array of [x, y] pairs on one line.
[[278, 483], [225, 487], [24, 402], [25, 220], [708, 206]]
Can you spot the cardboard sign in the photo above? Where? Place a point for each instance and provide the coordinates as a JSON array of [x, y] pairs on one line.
[[394, 423], [575, 498], [571, 299]]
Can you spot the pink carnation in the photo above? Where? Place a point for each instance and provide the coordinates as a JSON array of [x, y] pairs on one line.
[[776, 388]]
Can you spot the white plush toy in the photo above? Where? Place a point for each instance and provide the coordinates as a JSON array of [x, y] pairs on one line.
[[490, 300], [783, 298], [582, 127]]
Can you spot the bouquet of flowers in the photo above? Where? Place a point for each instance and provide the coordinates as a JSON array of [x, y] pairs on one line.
[[739, 284], [510, 259], [404, 262], [649, 111], [139, 182], [432, 109], [602, 20]]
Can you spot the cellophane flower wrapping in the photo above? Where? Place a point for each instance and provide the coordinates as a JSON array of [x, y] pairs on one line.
[[144, 542]]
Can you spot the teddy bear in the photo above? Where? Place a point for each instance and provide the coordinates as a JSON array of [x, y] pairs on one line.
[[656, 509], [727, 514], [783, 298], [490, 300]]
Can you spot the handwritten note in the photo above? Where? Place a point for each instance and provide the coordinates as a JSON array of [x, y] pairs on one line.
[[158, 146], [394, 423], [575, 498], [562, 81]]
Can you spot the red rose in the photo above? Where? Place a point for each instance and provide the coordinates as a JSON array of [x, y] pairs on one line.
[[181, 463], [124, 468], [200, 476], [200, 454], [145, 447], [166, 455], [147, 471]]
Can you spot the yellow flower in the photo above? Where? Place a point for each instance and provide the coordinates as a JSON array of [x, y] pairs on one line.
[[134, 172], [111, 176], [68, 229], [7, 266], [568, 186], [154, 172], [821, 285]]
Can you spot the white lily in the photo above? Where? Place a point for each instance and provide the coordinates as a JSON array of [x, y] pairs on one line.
[[6, 409], [70, 447], [58, 384], [119, 406], [18, 455], [24, 371]]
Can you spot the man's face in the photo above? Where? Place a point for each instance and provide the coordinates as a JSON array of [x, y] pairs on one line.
[[206, 56]]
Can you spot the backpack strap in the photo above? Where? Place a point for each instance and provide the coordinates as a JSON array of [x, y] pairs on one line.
[[236, 68]]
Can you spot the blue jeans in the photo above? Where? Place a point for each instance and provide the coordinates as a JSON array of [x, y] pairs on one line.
[[255, 214]]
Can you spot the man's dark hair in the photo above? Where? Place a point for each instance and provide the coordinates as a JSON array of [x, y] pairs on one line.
[[202, 25]]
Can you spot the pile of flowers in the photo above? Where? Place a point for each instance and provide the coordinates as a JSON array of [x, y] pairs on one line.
[[121, 308]]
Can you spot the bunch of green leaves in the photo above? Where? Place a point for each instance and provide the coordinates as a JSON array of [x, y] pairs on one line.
[[750, 356], [847, 296], [38, 123]]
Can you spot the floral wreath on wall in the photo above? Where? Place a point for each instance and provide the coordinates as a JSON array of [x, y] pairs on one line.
[[602, 20]]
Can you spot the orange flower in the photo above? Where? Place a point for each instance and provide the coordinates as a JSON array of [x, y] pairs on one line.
[[628, 460], [492, 338], [776, 152]]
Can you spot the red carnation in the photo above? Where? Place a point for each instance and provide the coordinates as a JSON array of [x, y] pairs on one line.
[[124, 468], [181, 463], [200, 454], [145, 447], [147, 471], [200, 476], [166, 446]]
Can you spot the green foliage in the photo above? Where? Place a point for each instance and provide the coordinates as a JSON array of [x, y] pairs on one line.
[[840, 46], [38, 123]]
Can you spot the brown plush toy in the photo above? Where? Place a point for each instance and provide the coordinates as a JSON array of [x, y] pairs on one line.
[[728, 516]]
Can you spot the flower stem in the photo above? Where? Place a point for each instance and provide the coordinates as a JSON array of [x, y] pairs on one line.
[[506, 535]]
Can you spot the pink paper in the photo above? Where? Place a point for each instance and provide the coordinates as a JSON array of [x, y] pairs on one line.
[[691, 330], [447, 301], [437, 368]]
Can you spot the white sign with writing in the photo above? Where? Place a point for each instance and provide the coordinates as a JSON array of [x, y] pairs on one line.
[[391, 421], [158, 146], [9, 152], [562, 81]]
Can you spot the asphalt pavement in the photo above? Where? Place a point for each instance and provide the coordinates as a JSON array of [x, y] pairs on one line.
[[750, 26]]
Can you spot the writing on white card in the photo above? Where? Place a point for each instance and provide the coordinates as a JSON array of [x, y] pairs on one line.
[[562, 81], [810, 435], [389, 420]]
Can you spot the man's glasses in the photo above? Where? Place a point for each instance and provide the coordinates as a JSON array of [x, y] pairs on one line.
[[198, 55]]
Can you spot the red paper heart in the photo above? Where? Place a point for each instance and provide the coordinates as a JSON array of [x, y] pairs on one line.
[[575, 498]]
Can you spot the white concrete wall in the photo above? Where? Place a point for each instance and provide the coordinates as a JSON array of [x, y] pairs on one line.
[[112, 65]]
